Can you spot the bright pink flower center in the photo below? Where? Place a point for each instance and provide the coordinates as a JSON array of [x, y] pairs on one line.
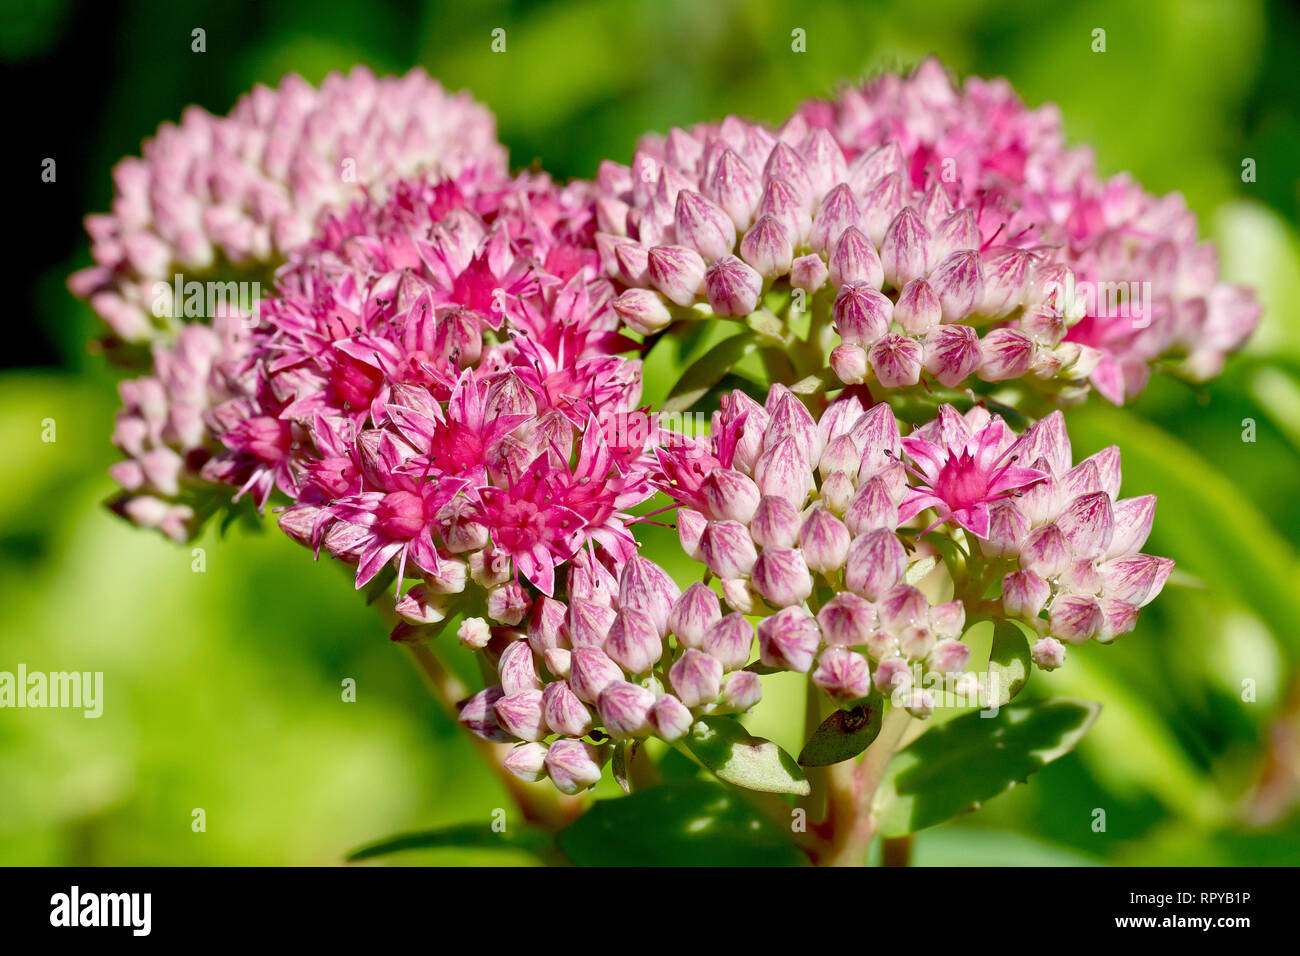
[[961, 482], [400, 515], [267, 438]]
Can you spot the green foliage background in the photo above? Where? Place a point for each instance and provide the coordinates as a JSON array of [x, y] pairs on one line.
[[223, 688]]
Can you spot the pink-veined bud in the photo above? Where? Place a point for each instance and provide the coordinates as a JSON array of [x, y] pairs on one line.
[[783, 470], [775, 523], [872, 508], [546, 624], [1118, 617], [861, 314], [837, 213], [563, 711], [732, 287], [1048, 653], [589, 623], [521, 714], [703, 226], [573, 765], [1132, 518], [590, 672], [870, 167], [646, 587], [825, 160], [959, 283], [693, 614], [855, 260], [1135, 578], [958, 233], [1045, 552], [670, 719], [691, 525], [634, 642], [904, 254], [727, 549], [896, 360], [781, 203], [849, 363], [919, 703], [949, 656], [508, 603], [730, 641], [729, 496], [527, 761], [624, 709], [840, 454], [642, 311], [1024, 594], [1088, 524], [696, 678], [836, 492], [517, 669], [1005, 354], [808, 273], [735, 188], [1006, 276], [740, 691], [881, 204], [419, 605], [952, 352], [791, 419], [767, 248], [781, 576], [740, 595], [1008, 527], [474, 633], [789, 639], [892, 674], [847, 620], [843, 674], [1075, 617], [677, 272], [558, 660], [824, 541], [903, 606], [479, 716], [918, 310], [876, 562]]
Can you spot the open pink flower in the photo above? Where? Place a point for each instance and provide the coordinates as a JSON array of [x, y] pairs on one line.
[[961, 471]]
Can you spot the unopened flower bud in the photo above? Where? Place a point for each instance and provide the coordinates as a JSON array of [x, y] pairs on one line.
[[808, 273], [949, 656], [646, 587], [775, 523], [634, 642], [558, 661], [527, 761], [843, 674], [854, 259], [474, 633], [696, 677], [573, 765], [563, 711], [781, 576], [1024, 593], [521, 714], [732, 287], [546, 624], [420, 605], [740, 691], [847, 620], [677, 272], [767, 247], [824, 541], [740, 595], [508, 603], [642, 310], [727, 549], [690, 529], [729, 495], [518, 669], [703, 225], [905, 250], [952, 352], [590, 672], [1005, 354], [918, 702], [789, 640], [892, 674], [876, 562], [479, 716], [1048, 653], [670, 719], [783, 470], [837, 492], [730, 641], [693, 614], [625, 709], [1075, 618], [896, 360], [1045, 552], [862, 314], [849, 363], [918, 310]]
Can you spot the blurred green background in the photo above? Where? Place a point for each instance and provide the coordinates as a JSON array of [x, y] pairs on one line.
[[223, 688]]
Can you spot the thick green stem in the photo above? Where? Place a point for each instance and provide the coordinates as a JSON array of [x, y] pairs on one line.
[[849, 826]]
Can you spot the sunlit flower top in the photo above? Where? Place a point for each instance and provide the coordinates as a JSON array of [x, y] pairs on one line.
[[1148, 288], [233, 194]]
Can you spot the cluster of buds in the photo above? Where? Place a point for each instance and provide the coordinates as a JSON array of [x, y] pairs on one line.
[[240, 191], [823, 528], [919, 283], [623, 659], [1112, 234]]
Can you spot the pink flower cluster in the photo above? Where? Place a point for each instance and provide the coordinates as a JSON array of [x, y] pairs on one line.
[[238, 192], [425, 377], [1112, 234]]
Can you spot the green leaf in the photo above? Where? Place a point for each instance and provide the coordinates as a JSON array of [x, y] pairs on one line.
[[734, 755], [844, 734], [462, 835], [1009, 660], [622, 760], [708, 370], [956, 766], [682, 823]]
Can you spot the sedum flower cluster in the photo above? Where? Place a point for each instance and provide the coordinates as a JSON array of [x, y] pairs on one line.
[[434, 390]]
